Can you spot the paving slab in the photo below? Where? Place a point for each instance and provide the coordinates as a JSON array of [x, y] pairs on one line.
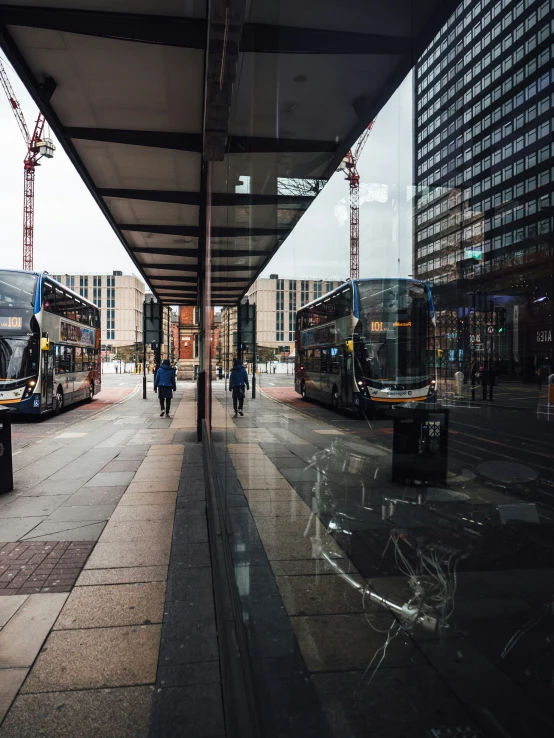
[[175, 449], [12, 529], [40, 506], [127, 513], [162, 485], [138, 530], [111, 605], [122, 465], [22, 638], [66, 531], [152, 473], [127, 554], [123, 575], [108, 657], [117, 713], [148, 498], [76, 513], [96, 496], [10, 682], [110, 479], [199, 707], [9, 606]]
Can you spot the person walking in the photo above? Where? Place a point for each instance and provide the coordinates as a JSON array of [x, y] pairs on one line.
[[238, 383], [165, 386]]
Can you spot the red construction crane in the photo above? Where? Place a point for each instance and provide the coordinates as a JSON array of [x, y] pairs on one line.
[[37, 148], [349, 167]]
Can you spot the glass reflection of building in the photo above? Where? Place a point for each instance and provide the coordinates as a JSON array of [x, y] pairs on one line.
[[483, 173]]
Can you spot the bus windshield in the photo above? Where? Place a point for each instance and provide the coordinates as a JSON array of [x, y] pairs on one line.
[[17, 298], [17, 289], [19, 357], [395, 316]]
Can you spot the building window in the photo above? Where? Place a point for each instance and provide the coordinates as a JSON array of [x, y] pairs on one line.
[[304, 292], [328, 286], [279, 311], [318, 287]]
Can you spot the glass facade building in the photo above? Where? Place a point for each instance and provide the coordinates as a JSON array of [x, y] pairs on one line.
[[484, 182]]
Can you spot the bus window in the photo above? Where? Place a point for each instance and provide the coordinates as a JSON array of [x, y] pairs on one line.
[[78, 359], [64, 359], [325, 361]]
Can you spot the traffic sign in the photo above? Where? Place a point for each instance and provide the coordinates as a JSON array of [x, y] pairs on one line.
[[490, 329]]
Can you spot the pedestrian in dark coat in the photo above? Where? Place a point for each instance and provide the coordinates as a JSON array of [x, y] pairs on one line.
[[165, 386], [238, 384]]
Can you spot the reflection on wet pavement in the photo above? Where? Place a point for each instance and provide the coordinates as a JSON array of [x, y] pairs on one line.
[[413, 609]]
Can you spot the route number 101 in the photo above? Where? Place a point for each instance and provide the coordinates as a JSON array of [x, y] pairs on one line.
[[377, 326]]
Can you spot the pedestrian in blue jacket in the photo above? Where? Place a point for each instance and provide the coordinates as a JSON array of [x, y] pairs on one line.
[[238, 384], [164, 385]]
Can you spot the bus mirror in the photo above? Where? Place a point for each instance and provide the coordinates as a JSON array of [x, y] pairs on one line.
[[349, 346], [45, 344]]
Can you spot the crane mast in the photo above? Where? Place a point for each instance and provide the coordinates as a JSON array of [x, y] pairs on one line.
[[37, 148], [350, 167]]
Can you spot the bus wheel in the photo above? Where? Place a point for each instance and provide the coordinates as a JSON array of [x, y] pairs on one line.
[[90, 397], [303, 390], [58, 402], [335, 401]]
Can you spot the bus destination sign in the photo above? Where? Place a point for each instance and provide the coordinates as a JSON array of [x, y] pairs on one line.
[[11, 322]]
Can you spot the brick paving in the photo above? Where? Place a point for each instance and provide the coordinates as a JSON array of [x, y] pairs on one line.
[[29, 567]]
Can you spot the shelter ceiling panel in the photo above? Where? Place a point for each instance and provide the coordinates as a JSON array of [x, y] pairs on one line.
[[108, 83], [178, 8], [160, 241], [153, 261], [393, 18], [298, 109], [251, 261], [254, 244], [144, 211], [262, 170], [257, 216], [138, 167]]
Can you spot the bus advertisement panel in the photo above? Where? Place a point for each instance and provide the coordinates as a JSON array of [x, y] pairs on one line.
[[365, 345], [49, 344]]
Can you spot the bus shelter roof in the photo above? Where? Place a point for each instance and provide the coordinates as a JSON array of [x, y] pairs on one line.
[[142, 93]]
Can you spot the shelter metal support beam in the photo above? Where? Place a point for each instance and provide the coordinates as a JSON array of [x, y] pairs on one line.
[[194, 280], [220, 199], [217, 231], [192, 142], [194, 268], [216, 253], [191, 32]]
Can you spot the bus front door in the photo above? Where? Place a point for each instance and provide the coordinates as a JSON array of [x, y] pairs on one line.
[[346, 380], [48, 378]]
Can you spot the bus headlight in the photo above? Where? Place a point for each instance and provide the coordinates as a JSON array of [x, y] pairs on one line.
[[28, 390]]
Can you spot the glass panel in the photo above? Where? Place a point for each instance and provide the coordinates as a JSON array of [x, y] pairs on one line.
[[387, 474]]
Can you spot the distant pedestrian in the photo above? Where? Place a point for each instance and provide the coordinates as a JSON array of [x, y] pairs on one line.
[[238, 384], [165, 386], [544, 373]]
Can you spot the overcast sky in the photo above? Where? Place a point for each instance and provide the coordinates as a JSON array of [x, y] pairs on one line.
[[72, 235], [319, 246]]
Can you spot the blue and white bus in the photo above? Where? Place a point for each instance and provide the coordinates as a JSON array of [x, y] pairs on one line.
[[49, 344], [367, 345]]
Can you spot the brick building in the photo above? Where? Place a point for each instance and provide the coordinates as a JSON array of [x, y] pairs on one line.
[[187, 352]]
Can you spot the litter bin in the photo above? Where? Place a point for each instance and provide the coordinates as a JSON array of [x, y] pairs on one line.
[[420, 445], [6, 470]]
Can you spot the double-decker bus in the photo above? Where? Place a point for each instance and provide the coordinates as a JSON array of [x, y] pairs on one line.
[[367, 345], [49, 344]]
